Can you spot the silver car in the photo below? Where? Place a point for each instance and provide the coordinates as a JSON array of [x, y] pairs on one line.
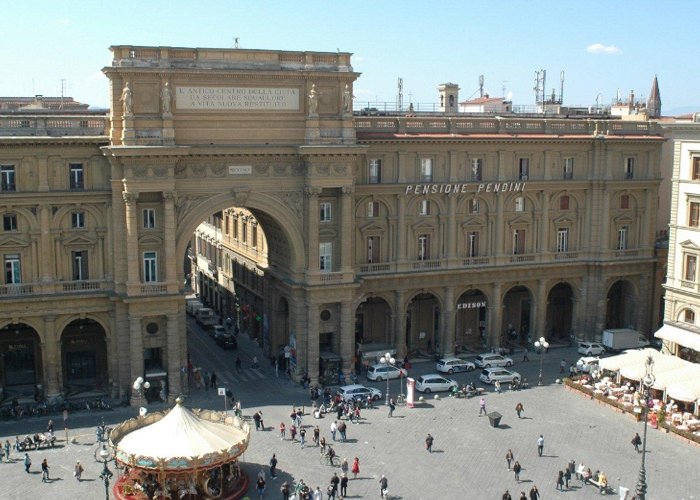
[[451, 365], [488, 360], [434, 382], [491, 375]]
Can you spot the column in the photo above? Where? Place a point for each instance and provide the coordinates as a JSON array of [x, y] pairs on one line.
[[347, 337], [312, 227], [45, 251], [312, 347], [495, 317], [540, 310], [298, 327], [399, 318], [646, 241], [544, 240], [169, 243], [173, 349], [499, 229], [51, 353], [132, 235], [346, 230], [136, 351], [605, 226], [451, 227], [448, 323], [401, 230]]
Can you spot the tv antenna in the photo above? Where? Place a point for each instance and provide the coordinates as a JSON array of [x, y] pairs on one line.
[[481, 85], [235, 43], [399, 84], [63, 92]]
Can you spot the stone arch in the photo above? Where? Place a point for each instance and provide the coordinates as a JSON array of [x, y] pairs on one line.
[[560, 311], [684, 313], [63, 212], [621, 297], [471, 317], [83, 355], [25, 213], [22, 359], [423, 318], [517, 314], [373, 315]]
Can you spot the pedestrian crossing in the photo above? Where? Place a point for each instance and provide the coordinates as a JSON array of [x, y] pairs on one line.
[[244, 376]]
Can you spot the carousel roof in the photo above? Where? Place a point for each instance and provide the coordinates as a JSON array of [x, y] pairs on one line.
[[180, 438]]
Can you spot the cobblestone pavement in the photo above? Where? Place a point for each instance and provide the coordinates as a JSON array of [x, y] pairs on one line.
[[468, 459]]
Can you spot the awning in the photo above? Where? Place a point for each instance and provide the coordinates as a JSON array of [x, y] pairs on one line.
[[686, 338], [627, 358], [662, 363], [687, 390]]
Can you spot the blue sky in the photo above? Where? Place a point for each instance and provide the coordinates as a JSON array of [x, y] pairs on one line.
[[603, 46]]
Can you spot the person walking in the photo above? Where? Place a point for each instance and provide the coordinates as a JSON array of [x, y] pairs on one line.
[[207, 380], [318, 494], [317, 434], [238, 364], [567, 477], [322, 442], [333, 488], [283, 431], [392, 407], [273, 466], [213, 379], [355, 467], [637, 441], [540, 445], [383, 485], [342, 428], [27, 463], [497, 386], [523, 496], [562, 366], [344, 466], [560, 480], [285, 490], [78, 471], [482, 406], [44, 471], [509, 457], [344, 485], [534, 493], [7, 450], [256, 419], [293, 431], [516, 470], [302, 436], [506, 496], [519, 409], [260, 486], [429, 443], [334, 428]]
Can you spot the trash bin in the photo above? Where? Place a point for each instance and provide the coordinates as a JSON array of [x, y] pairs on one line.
[[494, 418]]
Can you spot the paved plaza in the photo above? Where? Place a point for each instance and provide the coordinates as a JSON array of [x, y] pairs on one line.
[[468, 459]]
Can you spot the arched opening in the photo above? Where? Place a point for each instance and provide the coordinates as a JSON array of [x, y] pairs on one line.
[[21, 370], [84, 357], [423, 323], [517, 314], [470, 320], [620, 304], [560, 306], [373, 321]]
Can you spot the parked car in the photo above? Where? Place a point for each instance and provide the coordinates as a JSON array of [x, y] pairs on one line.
[[217, 331], [587, 364], [227, 341], [381, 372], [491, 375], [434, 382], [591, 348], [451, 365], [357, 392], [488, 360]]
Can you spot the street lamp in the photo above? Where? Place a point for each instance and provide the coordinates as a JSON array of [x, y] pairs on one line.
[[388, 361], [647, 382], [105, 456], [542, 345], [140, 386]]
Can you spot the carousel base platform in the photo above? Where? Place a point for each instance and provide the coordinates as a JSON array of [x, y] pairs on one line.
[[121, 491]]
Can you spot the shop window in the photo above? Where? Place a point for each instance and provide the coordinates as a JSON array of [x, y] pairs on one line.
[[81, 365]]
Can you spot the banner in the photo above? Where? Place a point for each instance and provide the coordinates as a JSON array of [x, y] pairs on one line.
[[410, 389]]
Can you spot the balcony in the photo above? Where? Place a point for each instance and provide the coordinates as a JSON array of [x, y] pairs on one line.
[[84, 286], [522, 259], [566, 256], [154, 289], [330, 277], [17, 290], [375, 268], [626, 254], [427, 264], [476, 261]]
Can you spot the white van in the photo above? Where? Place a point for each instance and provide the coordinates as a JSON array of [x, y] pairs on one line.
[[587, 364], [192, 306]]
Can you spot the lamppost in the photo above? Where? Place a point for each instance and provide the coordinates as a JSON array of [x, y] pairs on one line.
[[388, 361], [542, 345], [647, 382], [105, 456], [139, 386]]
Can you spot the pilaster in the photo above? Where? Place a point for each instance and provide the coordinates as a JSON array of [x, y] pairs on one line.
[[448, 323], [313, 349], [136, 351], [174, 366], [52, 357], [347, 337], [170, 243], [495, 316], [132, 242], [540, 310], [347, 228], [311, 195], [399, 320]]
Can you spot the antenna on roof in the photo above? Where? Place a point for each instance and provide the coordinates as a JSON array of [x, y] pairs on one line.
[[399, 84], [481, 85], [63, 92], [561, 89], [235, 43]]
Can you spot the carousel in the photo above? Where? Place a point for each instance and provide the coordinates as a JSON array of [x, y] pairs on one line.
[[180, 454]]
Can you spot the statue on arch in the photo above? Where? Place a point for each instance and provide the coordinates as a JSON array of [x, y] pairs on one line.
[[127, 99], [313, 101], [347, 99], [166, 99]]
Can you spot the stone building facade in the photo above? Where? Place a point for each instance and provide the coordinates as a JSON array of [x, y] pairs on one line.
[[424, 232]]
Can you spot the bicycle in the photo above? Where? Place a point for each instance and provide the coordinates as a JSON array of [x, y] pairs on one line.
[[328, 460], [400, 400]]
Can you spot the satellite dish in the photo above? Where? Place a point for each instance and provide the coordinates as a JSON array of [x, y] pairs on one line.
[[509, 96]]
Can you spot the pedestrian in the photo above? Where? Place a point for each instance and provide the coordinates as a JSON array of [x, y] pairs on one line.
[[357, 413], [334, 428], [519, 409], [540, 445], [562, 366], [277, 368], [27, 463], [260, 486], [525, 358], [522, 496], [213, 379], [636, 441], [283, 431], [516, 470], [317, 434], [207, 380], [429, 443], [342, 428], [344, 485], [318, 494], [44, 471], [383, 486], [509, 457], [497, 386], [285, 490], [560, 480], [262, 422], [302, 436], [506, 496], [293, 431], [7, 450], [78, 471], [344, 466], [355, 467], [273, 466], [254, 363], [238, 364], [567, 477], [299, 415], [482, 406], [49, 426], [335, 481], [256, 419], [534, 493], [323, 445]]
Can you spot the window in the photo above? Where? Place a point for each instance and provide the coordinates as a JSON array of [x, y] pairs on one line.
[[520, 204], [473, 243], [375, 171], [563, 240], [424, 207], [9, 222], [518, 241], [373, 249], [7, 178], [689, 316], [80, 265], [694, 214], [523, 169], [324, 211], [474, 206], [325, 256], [564, 202], [629, 168], [77, 220], [234, 223], [426, 170], [424, 247], [624, 201], [696, 169], [150, 267], [77, 180], [13, 270], [254, 236], [244, 232], [691, 262], [226, 224], [477, 168], [622, 238], [149, 218], [373, 209], [568, 168]]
